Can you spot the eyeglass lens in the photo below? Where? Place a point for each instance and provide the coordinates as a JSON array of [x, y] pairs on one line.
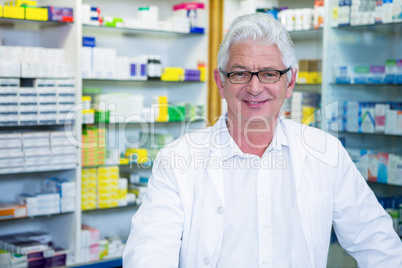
[[264, 76]]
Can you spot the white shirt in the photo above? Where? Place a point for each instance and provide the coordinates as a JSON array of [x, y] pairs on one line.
[[181, 221], [260, 216]]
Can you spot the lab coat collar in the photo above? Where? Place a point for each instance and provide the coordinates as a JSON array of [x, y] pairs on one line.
[[226, 147]]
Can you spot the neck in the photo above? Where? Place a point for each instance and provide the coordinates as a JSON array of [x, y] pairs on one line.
[[252, 137]]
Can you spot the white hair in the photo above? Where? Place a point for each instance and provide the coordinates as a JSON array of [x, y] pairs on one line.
[[258, 27]]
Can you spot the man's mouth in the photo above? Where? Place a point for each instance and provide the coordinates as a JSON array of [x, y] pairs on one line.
[[255, 104]]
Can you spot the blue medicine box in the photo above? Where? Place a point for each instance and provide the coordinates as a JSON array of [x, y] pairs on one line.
[[88, 41]]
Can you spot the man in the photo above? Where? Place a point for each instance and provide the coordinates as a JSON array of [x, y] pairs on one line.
[[256, 190]]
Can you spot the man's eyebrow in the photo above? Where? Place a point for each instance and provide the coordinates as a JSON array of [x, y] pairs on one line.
[[238, 66]]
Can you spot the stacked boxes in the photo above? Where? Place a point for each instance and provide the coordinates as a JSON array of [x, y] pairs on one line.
[[12, 210], [88, 188], [303, 107], [90, 238], [122, 192], [91, 15], [32, 249], [23, 243], [102, 188], [28, 10], [40, 204], [9, 100], [93, 147], [93, 248], [378, 167], [310, 72], [36, 151], [66, 190], [65, 101], [194, 12], [11, 260], [363, 12], [63, 152], [390, 73], [108, 182], [49, 102], [370, 117], [11, 153], [33, 62], [162, 114]]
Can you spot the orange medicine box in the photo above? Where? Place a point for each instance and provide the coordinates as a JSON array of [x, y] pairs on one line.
[[12, 210]]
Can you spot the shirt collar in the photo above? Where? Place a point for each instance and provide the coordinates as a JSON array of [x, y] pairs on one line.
[[229, 147]]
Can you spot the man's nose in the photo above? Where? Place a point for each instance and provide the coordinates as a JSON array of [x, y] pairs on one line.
[[254, 87]]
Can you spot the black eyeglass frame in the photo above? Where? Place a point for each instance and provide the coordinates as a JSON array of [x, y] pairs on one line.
[[255, 73]]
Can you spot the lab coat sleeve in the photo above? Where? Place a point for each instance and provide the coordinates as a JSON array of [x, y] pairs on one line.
[[157, 226], [362, 226]]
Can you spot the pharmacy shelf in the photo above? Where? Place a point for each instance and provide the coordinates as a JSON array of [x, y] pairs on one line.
[[36, 217], [364, 133], [385, 184], [306, 34], [49, 78], [394, 27], [124, 30], [38, 171], [135, 81], [130, 165], [15, 126], [113, 208], [7, 22], [367, 85], [144, 122], [106, 263], [312, 88]]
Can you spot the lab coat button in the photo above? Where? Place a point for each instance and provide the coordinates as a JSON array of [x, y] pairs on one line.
[[220, 210], [206, 261], [265, 262]]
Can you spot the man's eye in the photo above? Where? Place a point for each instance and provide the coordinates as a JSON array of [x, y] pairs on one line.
[[268, 74], [238, 74]]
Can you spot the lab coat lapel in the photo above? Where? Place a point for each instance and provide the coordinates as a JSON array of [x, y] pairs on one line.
[[298, 157], [214, 172]]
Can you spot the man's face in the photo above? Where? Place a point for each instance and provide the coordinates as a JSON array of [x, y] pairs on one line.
[[254, 101]]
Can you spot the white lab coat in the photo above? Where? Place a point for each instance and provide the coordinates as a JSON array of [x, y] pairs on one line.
[[181, 218]]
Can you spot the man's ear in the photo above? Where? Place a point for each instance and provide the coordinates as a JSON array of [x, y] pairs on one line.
[[219, 82], [292, 83]]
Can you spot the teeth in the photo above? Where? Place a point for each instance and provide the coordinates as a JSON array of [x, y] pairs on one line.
[[253, 102]]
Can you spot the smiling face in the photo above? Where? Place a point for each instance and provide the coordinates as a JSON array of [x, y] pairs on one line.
[[254, 102]]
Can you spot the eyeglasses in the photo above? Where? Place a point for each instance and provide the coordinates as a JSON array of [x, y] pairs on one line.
[[265, 76]]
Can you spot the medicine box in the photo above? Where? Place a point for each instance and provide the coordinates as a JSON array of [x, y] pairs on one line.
[[377, 74], [14, 12], [36, 13], [12, 210], [361, 74], [64, 14]]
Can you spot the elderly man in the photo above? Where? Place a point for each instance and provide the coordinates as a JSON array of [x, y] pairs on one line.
[[257, 190]]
